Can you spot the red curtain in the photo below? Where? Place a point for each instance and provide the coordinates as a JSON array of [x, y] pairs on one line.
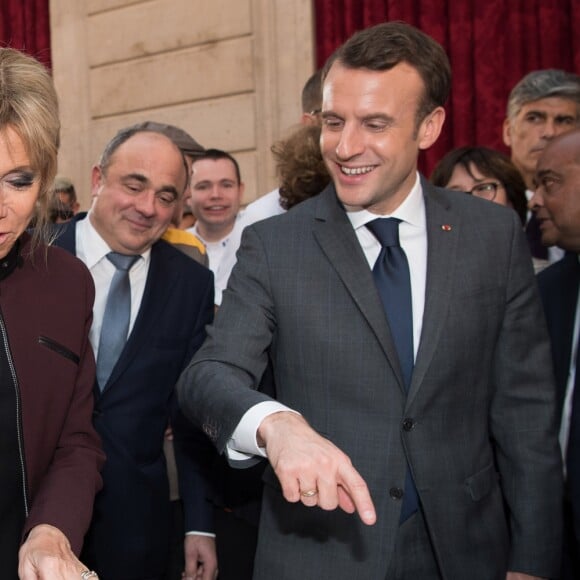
[[491, 44], [25, 24]]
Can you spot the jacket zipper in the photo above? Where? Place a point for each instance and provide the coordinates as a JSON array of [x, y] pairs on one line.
[[18, 414]]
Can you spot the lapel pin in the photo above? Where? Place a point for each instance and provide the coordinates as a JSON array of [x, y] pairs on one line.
[[446, 227]]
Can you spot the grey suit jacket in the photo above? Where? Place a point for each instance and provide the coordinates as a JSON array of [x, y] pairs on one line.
[[481, 433]]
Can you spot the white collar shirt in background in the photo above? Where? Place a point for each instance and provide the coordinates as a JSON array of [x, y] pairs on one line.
[[216, 252]]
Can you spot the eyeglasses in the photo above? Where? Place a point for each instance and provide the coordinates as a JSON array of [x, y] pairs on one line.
[[487, 190]]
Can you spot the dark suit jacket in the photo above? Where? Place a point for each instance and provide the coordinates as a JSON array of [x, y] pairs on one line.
[[480, 437], [559, 291], [129, 535]]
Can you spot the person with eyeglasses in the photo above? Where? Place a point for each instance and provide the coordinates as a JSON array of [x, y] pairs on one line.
[[485, 173]]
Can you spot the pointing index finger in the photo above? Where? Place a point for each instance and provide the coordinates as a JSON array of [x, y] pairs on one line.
[[354, 495]]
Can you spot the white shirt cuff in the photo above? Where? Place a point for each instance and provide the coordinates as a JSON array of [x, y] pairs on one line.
[[243, 444], [207, 534]]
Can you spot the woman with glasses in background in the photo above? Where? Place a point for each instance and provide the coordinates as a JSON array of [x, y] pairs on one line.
[[485, 173]]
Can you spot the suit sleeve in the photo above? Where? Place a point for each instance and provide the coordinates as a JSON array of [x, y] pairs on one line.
[[194, 453], [220, 383], [523, 423]]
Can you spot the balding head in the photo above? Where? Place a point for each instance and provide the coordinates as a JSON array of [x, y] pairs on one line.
[[556, 202]]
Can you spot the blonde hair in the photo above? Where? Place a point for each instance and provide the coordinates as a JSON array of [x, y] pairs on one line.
[[29, 106]]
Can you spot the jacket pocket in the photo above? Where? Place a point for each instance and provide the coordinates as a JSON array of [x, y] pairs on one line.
[[59, 348], [482, 482]]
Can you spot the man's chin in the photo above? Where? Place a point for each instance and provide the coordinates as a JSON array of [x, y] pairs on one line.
[[549, 239]]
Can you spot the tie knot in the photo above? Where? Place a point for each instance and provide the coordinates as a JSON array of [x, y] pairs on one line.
[[386, 230], [121, 261]]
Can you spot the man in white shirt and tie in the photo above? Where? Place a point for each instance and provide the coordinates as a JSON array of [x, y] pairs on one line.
[[165, 302], [441, 438]]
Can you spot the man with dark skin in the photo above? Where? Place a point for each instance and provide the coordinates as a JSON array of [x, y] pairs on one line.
[[556, 204]]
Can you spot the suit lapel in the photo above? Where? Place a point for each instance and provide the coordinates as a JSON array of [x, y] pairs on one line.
[[337, 240], [443, 232]]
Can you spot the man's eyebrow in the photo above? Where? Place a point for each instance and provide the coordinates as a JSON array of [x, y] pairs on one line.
[[202, 183], [542, 114], [136, 176], [145, 181], [563, 117], [370, 117], [378, 117]]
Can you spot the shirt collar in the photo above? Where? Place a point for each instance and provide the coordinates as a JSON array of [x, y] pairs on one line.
[[222, 242], [411, 210]]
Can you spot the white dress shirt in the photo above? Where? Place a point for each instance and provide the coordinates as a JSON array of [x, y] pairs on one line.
[[413, 238], [216, 252], [567, 408], [92, 250], [264, 207]]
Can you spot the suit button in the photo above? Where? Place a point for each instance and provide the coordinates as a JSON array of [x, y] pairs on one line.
[[408, 424], [396, 493]]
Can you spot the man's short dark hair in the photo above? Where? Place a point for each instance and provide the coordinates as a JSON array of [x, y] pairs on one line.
[[216, 154], [385, 45], [312, 94]]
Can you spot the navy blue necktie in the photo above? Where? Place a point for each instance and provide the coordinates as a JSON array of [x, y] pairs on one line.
[[393, 281], [115, 327]]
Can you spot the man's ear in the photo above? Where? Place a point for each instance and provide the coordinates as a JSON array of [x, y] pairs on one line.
[[96, 180], [506, 133], [430, 128], [310, 119]]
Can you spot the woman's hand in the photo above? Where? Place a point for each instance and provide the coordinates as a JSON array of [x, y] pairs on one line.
[[46, 555]]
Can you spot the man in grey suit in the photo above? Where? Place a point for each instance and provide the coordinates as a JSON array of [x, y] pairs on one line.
[[446, 449]]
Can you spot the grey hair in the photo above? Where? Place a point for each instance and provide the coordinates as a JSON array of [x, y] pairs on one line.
[[541, 84]]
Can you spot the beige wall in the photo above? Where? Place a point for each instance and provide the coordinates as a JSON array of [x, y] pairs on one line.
[[230, 72]]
